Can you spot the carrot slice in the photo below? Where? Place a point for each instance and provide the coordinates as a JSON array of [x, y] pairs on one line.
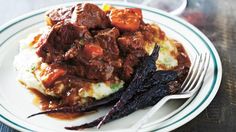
[[51, 76], [126, 19], [93, 50]]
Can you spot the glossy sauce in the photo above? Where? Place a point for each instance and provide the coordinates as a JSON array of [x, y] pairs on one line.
[[183, 58], [47, 103]]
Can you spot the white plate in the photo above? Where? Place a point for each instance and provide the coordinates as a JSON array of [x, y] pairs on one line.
[[16, 101]]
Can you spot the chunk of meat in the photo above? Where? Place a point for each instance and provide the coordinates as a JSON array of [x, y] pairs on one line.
[[152, 33], [74, 50], [58, 40], [107, 39], [126, 19], [89, 15], [58, 15], [131, 41], [132, 47], [131, 60], [97, 70]]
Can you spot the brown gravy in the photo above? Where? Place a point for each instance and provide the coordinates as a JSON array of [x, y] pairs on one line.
[[47, 103], [183, 58]]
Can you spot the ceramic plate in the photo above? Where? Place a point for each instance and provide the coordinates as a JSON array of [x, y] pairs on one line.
[[16, 101]]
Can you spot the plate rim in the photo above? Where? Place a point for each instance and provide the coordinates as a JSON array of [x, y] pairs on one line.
[[207, 100]]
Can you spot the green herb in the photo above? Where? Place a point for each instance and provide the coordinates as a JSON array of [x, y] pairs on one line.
[[33, 67], [116, 86]]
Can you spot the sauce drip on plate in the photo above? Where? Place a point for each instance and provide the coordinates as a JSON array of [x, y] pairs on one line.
[[47, 103]]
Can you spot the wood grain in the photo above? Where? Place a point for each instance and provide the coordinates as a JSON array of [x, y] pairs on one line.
[[219, 25]]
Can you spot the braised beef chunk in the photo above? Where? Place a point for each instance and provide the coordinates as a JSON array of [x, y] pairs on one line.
[[130, 62], [86, 14], [131, 41], [132, 48], [107, 60], [89, 15], [59, 39], [99, 71], [107, 39], [68, 33], [150, 32], [58, 15]]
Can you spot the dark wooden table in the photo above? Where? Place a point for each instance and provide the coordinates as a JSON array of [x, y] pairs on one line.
[[216, 19]]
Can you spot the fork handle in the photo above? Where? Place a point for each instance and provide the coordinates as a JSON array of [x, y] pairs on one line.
[[147, 116]]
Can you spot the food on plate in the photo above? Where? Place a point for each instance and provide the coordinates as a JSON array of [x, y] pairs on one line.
[[146, 94], [87, 57]]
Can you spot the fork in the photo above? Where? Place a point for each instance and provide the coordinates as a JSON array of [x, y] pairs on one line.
[[190, 87]]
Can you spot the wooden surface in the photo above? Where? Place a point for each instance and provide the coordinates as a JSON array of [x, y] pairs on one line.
[[216, 19]]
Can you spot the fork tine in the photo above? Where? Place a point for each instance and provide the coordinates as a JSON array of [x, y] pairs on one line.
[[198, 74], [201, 79], [192, 73]]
